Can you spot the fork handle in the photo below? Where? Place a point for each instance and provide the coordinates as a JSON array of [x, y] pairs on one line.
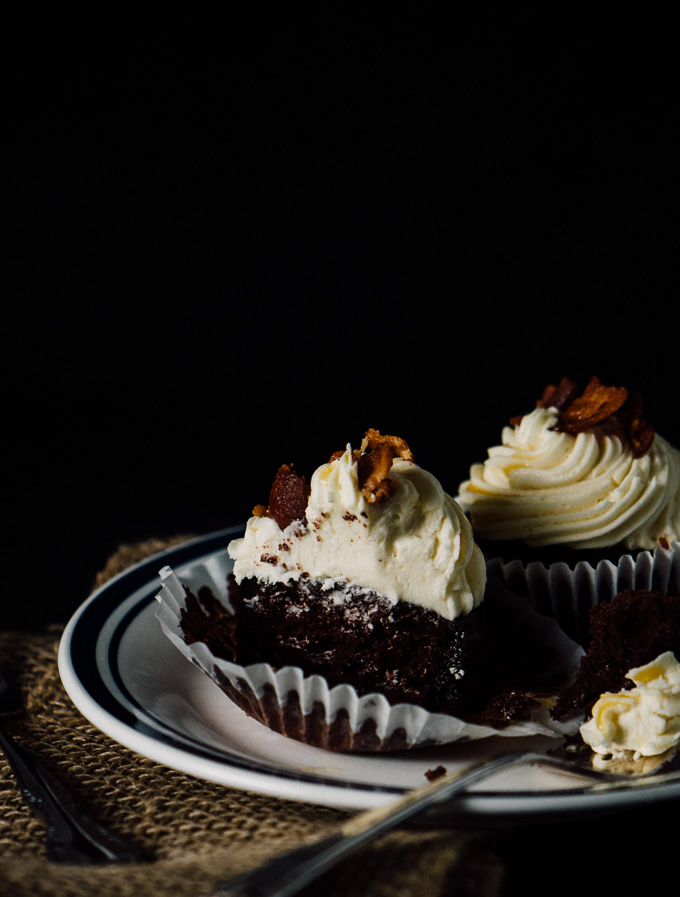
[[72, 837], [285, 874]]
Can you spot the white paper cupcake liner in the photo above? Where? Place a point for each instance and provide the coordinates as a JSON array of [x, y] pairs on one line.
[[306, 708], [568, 594]]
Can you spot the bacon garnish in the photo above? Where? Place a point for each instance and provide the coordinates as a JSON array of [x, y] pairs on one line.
[[594, 405], [639, 431], [554, 397], [559, 396], [597, 403], [374, 463], [288, 496]]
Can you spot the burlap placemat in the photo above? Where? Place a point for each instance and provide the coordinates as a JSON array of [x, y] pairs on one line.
[[198, 833]]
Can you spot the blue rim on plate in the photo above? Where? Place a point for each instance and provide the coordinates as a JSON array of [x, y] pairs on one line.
[[91, 665]]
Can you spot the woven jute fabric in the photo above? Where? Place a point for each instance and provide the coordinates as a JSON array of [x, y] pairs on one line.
[[197, 833]]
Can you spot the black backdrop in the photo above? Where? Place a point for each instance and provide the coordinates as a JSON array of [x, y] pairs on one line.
[[241, 241]]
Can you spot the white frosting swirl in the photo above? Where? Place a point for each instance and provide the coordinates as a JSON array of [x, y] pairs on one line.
[[546, 487], [646, 719], [416, 546]]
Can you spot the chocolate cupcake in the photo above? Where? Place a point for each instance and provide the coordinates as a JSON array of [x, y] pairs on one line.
[[632, 630], [354, 616], [628, 682], [580, 500]]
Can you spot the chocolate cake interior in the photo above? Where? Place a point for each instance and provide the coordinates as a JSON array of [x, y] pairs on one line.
[[627, 632], [347, 635], [473, 667]]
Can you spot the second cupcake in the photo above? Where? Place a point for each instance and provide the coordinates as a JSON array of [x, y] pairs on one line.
[[580, 500]]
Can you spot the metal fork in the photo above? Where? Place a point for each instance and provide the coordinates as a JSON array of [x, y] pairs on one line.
[[287, 873], [72, 836]]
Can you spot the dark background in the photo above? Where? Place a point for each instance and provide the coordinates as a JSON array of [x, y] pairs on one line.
[[240, 241]]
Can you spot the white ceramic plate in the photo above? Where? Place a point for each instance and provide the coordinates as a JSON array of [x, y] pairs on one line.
[[130, 681]]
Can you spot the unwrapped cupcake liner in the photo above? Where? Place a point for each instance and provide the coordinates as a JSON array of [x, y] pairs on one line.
[[306, 708], [568, 594]]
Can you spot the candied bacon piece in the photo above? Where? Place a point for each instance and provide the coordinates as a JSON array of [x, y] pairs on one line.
[[373, 468], [375, 462], [641, 439], [559, 396], [595, 404], [553, 397], [288, 496], [639, 431], [399, 447]]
